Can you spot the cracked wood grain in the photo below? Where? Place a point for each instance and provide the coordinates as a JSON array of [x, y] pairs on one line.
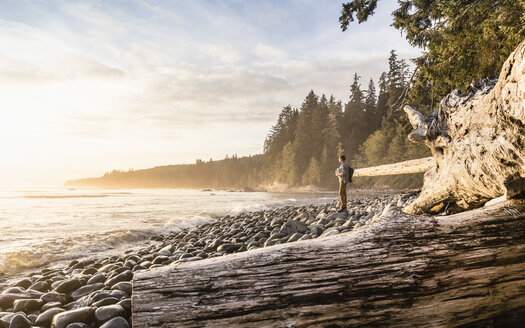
[[464, 270]]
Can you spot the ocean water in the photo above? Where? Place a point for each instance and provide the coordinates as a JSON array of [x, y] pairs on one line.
[[48, 226]]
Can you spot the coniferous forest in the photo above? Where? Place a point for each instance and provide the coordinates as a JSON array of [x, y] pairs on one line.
[[461, 41]]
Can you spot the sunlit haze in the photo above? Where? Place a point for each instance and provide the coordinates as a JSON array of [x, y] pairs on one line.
[[91, 86]]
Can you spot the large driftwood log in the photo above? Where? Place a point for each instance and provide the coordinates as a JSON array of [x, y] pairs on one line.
[[464, 270], [477, 140], [406, 167]]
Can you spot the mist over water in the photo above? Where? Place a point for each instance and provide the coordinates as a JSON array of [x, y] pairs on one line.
[[46, 226]]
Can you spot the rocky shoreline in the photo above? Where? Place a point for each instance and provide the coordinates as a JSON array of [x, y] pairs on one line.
[[97, 292]]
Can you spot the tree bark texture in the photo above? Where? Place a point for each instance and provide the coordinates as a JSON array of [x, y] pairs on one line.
[[477, 141], [464, 270]]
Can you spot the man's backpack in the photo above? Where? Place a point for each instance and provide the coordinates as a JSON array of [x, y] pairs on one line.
[[350, 173]]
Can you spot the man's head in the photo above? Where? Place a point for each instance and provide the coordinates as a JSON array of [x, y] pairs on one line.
[[342, 158]]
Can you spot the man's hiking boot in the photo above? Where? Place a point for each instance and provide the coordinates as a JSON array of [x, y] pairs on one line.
[[342, 209]]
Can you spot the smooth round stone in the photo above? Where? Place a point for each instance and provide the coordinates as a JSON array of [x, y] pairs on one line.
[[305, 237], [32, 317], [40, 286], [330, 232], [124, 286], [228, 248], [124, 276], [138, 267], [108, 267], [295, 237], [117, 322], [126, 304], [27, 305], [45, 318], [99, 277], [14, 290], [24, 283], [77, 325], [117, 271], [67, 286], [19, 321], [89, 271], [106, 301], [63, 319], [105, 313], [54, 297], [85, 290], [130, 263], [160, 259], [293, 226]]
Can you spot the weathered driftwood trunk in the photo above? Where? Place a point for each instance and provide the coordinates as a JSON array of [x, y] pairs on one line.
[[406, 167], [477, 140], [465, 270]]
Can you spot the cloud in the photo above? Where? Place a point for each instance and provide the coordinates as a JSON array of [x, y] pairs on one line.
[[268, 52], [32, 55]]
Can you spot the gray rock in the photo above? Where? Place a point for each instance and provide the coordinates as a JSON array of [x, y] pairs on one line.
[[67, 286], [270, 242], [305, 237], [14, 290], [24, 283], [41, 286], [293, 226], [228, 248], [276, 222], [50, 305], [337, 215], [7, 300], [160, 259], [99, 277], [54, 297], [106, 301], [77, 325], [124, 286], [108, 267], [296, 236], [330, 232], [19, 321], [117, 322], [85, 290], [27, 305], [105, 313], [63, 319], [5, 319], [348, 224], [317, 230], [124, 276], [126, 304], [45, 318]]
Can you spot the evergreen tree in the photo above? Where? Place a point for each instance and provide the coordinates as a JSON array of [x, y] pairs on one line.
[[371, 115], [304, 139], [354, 119]]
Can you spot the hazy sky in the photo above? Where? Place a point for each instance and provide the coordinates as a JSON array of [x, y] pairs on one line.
[[91, 86]]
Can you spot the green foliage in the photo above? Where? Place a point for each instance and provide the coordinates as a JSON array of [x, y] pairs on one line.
[[375, 148], [362, 9], [463, 39]]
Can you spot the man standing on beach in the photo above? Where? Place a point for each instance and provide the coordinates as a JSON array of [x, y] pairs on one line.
[[343, 173]]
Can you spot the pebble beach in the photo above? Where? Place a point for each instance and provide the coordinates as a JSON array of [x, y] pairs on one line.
[[96, 292]]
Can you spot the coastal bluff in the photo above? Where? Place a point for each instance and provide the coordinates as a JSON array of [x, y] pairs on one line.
[[405, 268]]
